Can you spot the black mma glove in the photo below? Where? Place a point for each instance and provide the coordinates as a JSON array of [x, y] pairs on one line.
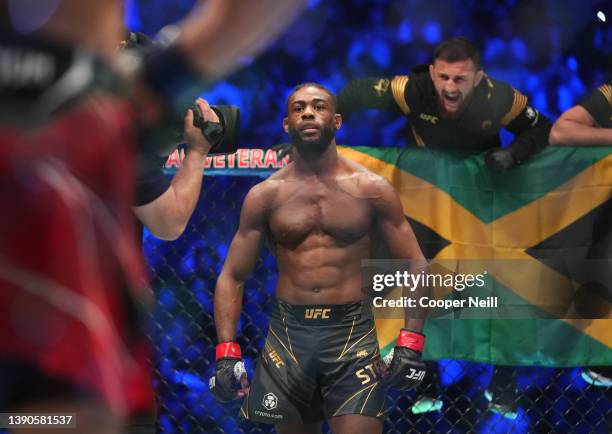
[[500, 160], [405, 368], [230, 375]]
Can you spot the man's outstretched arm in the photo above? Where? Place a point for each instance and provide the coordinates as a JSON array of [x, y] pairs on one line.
[[405, 367], [576, 127], [586, 124], [167, 215], [373, 93]]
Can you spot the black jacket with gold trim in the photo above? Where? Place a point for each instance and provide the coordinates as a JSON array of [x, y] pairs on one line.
[[599, 104], [495, 105]]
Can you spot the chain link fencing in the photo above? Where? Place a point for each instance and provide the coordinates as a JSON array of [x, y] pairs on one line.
[[184, 272]]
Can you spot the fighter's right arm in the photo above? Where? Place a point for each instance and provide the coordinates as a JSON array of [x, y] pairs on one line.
[[576, 127], [165, 209], [240, 261], [372, 93]]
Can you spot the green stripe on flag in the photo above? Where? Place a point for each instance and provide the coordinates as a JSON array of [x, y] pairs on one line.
[[475, 187]]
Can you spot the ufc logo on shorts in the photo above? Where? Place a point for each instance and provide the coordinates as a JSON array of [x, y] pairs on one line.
[[276, 359], [317, 313], [417, 375]]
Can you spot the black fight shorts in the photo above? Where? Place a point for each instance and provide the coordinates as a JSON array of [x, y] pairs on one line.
[[319, 361]]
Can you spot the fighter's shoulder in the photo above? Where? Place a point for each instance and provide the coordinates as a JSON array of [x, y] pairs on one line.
[[503, 101], [262, 194], [282, 174], [369, 184], [498, 87], [604, 90], [500, 93]]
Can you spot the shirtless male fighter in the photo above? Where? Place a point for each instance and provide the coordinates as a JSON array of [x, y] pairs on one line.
[[321, 214]]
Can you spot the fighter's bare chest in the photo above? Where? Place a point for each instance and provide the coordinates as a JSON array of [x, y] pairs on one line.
[[319, 210]]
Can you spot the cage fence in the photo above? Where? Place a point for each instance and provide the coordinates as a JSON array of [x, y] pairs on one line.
[[456, 397]]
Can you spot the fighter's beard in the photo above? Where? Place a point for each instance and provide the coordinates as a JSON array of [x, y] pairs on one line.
[[312, 147], [463, 102]]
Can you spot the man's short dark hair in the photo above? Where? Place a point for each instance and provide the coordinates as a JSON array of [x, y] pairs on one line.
[[332, 95], [457, 49]]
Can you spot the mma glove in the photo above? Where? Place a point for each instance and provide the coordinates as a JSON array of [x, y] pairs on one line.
[[500, 160], [230, 375], [405, 367]]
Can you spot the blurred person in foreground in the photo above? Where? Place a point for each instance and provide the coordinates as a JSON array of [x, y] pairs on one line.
[[72, 116]]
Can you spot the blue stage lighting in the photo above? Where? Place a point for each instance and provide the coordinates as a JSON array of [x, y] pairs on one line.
[[381, 54], [564, 98], [432, 32], [404, 32]]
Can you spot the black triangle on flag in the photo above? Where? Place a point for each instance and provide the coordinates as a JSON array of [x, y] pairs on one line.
[[582, 251], [431, 242]]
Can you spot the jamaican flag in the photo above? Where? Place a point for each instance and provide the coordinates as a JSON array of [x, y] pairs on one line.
[[554, 209]]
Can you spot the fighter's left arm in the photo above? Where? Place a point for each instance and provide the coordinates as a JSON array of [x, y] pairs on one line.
[[530, 128], [402, 244], [405, 367]]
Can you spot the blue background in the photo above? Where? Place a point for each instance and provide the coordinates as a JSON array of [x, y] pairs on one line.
[[554, 51]]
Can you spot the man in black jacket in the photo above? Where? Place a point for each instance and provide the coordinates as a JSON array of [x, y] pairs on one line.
[[453, 104]]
